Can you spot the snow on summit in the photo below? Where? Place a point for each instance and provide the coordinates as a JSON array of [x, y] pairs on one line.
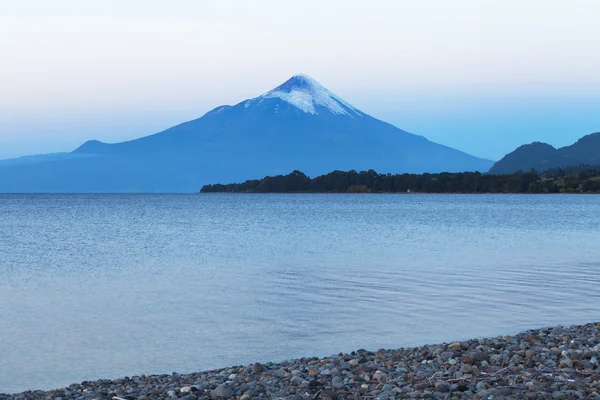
[[306, 94]]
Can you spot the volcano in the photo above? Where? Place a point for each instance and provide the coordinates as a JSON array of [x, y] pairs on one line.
[[299, 125]]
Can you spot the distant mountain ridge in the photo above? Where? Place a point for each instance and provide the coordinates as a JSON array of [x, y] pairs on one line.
[[542, 156], [298, 125]]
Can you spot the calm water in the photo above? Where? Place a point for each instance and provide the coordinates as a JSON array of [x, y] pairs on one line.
[[116, 285]]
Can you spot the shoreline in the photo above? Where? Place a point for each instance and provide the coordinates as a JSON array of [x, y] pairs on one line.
[[546, 363]]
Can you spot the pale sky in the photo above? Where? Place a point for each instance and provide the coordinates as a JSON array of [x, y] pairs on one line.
[[482, 76]]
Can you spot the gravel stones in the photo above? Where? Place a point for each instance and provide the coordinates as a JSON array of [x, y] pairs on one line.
[[549, 363]]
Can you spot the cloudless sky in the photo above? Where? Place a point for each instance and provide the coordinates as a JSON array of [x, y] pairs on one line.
[[482, 76]]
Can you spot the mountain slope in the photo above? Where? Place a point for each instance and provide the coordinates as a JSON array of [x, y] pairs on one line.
[[523, 158], [542, 156], [298, 125]]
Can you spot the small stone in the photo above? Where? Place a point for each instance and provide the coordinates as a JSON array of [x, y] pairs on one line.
[[280, 373], [337, 385], [466, 360], [221, 392], [257, 368], [442, 387], [501, 391], [466, 368], [327, 395], [529, 354], [345, 366], [387, 388], [565, 363], [480, 356]]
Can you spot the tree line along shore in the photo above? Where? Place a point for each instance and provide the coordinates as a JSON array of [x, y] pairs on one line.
[[580, 179]]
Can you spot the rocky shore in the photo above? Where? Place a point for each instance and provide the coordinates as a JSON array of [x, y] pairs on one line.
[[549, 363]]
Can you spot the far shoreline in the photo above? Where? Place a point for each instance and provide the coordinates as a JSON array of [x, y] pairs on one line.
[[585, 179], [396, 193]]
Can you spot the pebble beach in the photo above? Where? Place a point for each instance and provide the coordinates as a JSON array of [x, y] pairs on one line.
[[548, 363]]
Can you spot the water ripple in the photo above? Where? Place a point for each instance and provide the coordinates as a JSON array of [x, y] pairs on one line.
[[110, 285]]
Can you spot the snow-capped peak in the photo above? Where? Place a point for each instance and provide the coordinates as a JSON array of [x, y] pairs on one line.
[[307, 94]]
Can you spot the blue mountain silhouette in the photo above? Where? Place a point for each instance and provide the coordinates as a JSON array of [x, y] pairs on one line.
[[299, 125]]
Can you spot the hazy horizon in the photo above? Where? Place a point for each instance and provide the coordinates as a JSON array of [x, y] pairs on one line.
[[482, 77]]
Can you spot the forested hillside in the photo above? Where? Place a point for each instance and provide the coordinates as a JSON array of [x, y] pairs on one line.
[[542, 156]]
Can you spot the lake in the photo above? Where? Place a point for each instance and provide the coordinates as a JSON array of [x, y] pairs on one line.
[[103, 286]]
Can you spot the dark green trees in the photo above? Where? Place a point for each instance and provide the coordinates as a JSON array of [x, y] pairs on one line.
[[575, 179]]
